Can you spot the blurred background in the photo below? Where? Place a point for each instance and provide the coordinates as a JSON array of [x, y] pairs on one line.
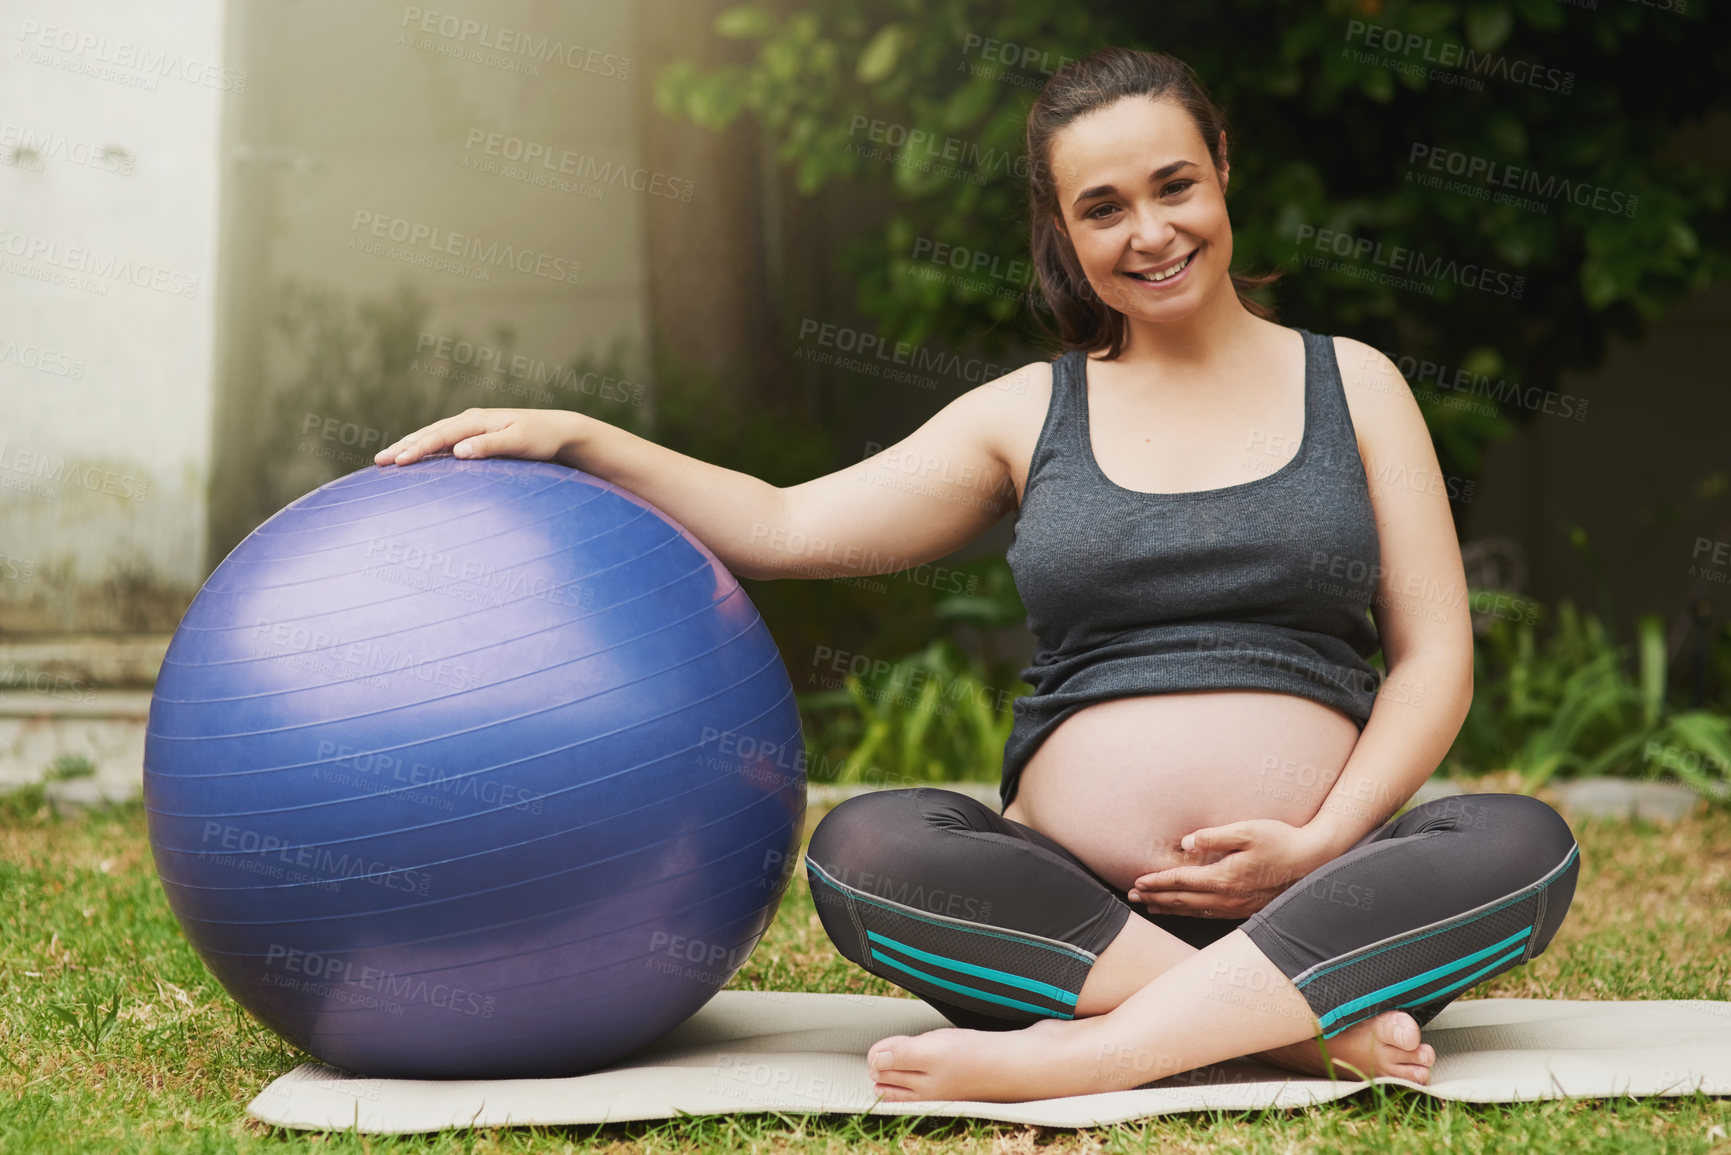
[[246, 244]]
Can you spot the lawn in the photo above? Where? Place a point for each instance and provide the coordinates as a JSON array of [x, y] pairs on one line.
[[115, 1038]]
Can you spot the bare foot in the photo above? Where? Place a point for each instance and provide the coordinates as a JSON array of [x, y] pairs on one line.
[[1040, 1061], [1387, 1044]]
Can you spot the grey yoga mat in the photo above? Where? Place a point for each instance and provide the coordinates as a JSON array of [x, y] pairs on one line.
[[795, 1052]]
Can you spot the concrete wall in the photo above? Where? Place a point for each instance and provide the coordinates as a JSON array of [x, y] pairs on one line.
[[246, 243], [110, 116], [432, 208]]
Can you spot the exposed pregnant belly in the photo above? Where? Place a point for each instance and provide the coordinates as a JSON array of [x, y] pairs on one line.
[[1118, 783]]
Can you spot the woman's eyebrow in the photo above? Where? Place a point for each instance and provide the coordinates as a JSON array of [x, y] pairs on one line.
[[1155, 177]]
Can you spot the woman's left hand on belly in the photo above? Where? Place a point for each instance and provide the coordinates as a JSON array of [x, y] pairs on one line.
[[1257, 859]]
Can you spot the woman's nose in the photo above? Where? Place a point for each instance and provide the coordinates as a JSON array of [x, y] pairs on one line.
[[1150, 230]]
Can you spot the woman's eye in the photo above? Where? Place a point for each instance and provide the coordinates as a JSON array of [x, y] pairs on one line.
[[1175, 186]]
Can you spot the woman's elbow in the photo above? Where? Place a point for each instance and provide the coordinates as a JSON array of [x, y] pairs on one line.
[[1439, 674]]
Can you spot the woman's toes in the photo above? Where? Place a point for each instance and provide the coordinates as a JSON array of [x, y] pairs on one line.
[[1412, 1072], [881, 1055], [1402, 1056], [1398, 1029], [1397, 1037], [1399, 1050]]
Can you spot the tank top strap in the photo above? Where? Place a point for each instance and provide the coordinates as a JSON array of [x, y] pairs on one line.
[[1333, 439], [1063, 420]]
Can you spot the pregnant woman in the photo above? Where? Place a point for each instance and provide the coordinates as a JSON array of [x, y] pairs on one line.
[[1194, 860]]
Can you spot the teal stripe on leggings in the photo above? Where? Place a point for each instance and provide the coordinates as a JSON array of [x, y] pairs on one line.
[[1005, 977], [978, 994], [1431, 975], [1493, 965], [1437, 994]]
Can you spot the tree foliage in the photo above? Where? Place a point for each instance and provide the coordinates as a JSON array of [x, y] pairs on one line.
[[1332, 107]]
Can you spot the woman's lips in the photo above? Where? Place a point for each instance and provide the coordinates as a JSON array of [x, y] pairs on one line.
[[1174, 279]]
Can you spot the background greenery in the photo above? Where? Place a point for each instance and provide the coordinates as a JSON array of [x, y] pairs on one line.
[[1316, 137]]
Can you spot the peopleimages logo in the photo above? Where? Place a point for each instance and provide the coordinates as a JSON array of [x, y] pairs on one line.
[[59, 146], [406, 988], [514, 42], [927, 151], [919, 358], [1454, 379], [435, 240], [1399, 258], [581, 165], [93, 268], [95, 50], [1449, 56], [43, 360], [487, 359], [326, 865], [1479, 170], [40, 466], [374, 657]]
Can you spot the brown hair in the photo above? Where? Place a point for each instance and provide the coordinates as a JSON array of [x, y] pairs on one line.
[[1078, 87]]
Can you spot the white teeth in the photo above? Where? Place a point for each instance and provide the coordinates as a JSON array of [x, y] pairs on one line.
[[1158, 277]]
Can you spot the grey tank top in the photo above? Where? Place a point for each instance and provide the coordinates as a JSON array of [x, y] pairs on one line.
[[1263, 585]]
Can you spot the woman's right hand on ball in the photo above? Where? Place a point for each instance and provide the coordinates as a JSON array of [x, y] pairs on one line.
[[532, 434]]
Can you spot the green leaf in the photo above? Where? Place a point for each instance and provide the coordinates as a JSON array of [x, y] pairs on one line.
[[861, 759], [1488, 25], [1705, 735], [1537, 774], [1377, 84], [1598, 286], [881, 54], [919, 722], [1430, 19], [967, 103], [1651, 633], [1608, 760], [1507, 133], [1682, 237], [713, 103], [1541, 13], [744, 22]]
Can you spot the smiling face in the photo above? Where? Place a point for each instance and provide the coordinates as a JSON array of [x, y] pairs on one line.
[[1144, 208]]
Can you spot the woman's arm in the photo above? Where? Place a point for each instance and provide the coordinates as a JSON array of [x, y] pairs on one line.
[[916, 501], [1420, 608]]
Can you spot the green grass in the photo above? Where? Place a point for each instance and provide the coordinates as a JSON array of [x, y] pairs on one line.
[[114, 1038]]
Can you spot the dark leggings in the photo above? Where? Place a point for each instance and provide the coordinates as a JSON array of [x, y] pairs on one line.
[[996, 925]]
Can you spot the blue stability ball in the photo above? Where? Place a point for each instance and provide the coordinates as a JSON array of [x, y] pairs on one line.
[[473, 769]]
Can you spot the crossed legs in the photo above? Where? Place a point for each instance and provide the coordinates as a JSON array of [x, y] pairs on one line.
[[1000, 928], [1388, 1044]]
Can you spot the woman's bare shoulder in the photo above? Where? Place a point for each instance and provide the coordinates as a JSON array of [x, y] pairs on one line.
[[1383, 409], [1012, 410]]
